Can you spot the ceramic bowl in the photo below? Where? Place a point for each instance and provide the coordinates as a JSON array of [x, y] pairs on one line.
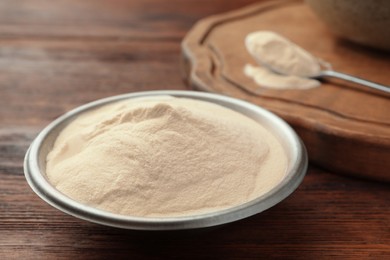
[[361, 21]]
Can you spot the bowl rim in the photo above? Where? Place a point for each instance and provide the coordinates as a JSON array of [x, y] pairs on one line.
[[41, 186]]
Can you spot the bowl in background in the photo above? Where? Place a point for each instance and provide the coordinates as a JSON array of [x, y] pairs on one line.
[[35, 163], [361, 21]]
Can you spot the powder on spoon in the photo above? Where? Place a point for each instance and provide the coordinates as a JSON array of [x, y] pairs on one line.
[[165, 157], [272, 50]]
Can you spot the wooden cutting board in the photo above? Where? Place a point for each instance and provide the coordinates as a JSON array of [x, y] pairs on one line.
[[345, 128]]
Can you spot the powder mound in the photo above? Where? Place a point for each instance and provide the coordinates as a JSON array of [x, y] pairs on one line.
[[168, 157]]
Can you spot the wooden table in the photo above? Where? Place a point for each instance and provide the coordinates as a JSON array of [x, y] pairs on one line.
[[56, 55]]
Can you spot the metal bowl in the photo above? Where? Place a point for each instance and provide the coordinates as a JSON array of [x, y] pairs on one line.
[[35, 164]]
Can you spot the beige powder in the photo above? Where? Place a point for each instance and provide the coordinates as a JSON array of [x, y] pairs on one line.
[[281, 54], [271, 50], [165, 157], [266, 78]]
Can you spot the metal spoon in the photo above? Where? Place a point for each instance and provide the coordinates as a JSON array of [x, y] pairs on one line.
[[363, 82], [329, 72]]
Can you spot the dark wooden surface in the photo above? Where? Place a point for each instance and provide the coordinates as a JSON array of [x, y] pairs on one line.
[[56, 55]]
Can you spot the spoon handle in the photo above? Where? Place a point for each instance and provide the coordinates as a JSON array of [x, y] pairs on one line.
[[335, 74]]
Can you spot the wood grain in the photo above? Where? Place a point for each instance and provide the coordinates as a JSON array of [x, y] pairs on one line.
[[56, 55], [345, 127]]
